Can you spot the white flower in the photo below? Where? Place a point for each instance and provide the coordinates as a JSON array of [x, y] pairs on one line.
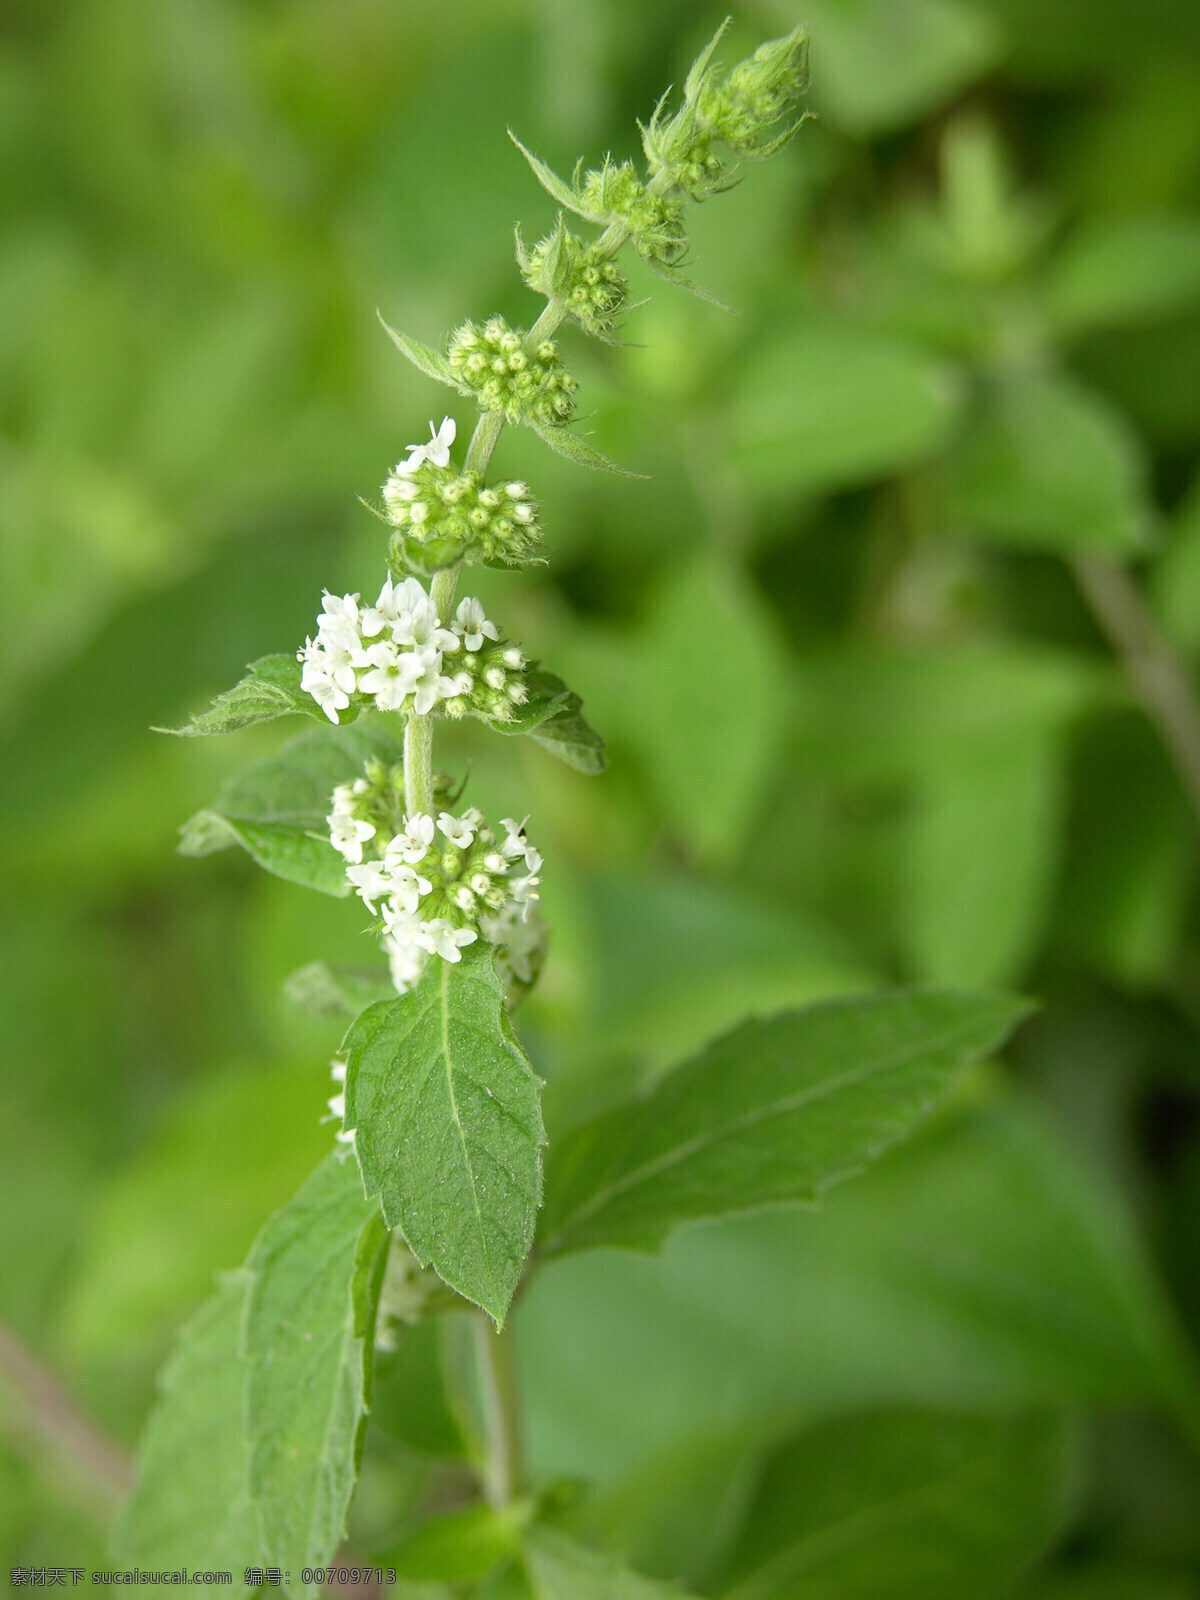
[[337, 1105], [391, 678], [437, 450], [426, 674], [372, 880], [339, 612], [472, 625], [405, 956], [459, 830], [515, 844], [337, 1071], [417, 623], [413, 842], [325, 692], [407, 886], [348, 835], [440, 937]]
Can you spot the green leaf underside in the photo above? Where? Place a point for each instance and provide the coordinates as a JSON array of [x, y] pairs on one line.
[[315, 1272], [904, 1505], [568, 444], [271, 689], [775, 1111], [555, 186], [427, 360], [560, 1569], [681, 280], [251, 1456], [448, 1125], [276, 809], [191, 1506], [552, 717]]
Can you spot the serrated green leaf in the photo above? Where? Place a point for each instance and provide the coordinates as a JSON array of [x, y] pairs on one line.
[[561, 1569], [448, 1125], [191, 1505], [272, 689], [1048, 465], [276, 809], [775, 1111], [328, 990], [552, 716], [904, 1505], [427, 360], [1114, 273], [314, 1276], [460, 1545], [555, 186], [565, 443]]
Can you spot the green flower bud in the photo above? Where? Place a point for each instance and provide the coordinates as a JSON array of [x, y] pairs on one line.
[[744, 109], [492, 363], [655, 221], [442, 517], [564, 268]]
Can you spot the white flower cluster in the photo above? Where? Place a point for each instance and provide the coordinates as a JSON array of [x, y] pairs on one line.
[[397, 654], [443, 516], [440, 884]]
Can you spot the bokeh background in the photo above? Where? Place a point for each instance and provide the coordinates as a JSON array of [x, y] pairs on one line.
[[863, 728]]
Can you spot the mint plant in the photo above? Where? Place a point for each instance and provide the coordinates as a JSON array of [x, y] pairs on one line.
[[432, 1205]]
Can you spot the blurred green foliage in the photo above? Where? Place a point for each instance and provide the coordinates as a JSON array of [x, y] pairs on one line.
[[886, 741]]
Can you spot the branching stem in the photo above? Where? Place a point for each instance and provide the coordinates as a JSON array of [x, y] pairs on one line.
[[1159, 678]]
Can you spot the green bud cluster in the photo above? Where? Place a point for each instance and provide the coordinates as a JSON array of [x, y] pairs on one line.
[[578, 275], [442, 517], [615, 193], [524, 386], [496, 678], [758, 93]]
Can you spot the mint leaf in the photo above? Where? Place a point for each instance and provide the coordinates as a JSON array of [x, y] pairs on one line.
[[560, 1569], [314, 1276], [570, 445], [271, 690], [190, 1506], [562, 191], [276, 809], [904, 1505], [553, 717], [449, 1125], [775, 1111], [431, 362]]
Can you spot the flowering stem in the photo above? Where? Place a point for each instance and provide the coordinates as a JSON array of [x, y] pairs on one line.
[[418, 764]]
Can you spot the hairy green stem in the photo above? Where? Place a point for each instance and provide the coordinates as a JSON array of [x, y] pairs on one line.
[[499, 1413], [418, 764]]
